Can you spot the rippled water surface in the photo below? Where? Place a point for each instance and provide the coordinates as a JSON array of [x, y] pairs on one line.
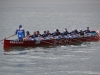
[[83, 59]]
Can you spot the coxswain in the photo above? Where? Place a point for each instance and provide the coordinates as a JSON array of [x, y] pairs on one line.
[[20, 32]]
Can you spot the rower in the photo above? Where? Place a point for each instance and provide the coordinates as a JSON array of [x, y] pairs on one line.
[[38, 33], [34, 34], [81, 33], [54, 33], [44, 35], [28, 36], [74, 33], [87, 30], [65, 32], [57, 32], [48, 33], [38, 36], [20, 32]]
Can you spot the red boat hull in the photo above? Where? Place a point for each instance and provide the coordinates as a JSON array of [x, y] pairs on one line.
[[15, 43]]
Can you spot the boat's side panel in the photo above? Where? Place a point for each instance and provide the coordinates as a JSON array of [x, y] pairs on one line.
[[90, 39], [14, 43]]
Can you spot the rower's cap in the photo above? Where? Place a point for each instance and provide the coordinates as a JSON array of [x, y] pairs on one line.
[[20, 25]]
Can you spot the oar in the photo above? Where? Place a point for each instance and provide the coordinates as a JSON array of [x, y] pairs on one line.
[[8, 37]]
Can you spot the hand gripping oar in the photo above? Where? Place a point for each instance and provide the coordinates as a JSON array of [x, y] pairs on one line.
[[8, 37]]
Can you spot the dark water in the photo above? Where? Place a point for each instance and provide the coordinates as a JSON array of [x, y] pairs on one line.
[[41, 15]]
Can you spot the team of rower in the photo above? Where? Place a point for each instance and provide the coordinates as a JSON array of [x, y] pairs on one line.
[[47, 35]]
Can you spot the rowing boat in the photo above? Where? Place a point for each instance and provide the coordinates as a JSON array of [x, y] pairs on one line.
[[53, 42]]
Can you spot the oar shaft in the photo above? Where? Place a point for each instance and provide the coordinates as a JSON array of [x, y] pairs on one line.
[[1, 40], [8, 37]]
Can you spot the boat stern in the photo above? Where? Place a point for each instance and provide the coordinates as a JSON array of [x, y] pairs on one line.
[[6, 44]]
